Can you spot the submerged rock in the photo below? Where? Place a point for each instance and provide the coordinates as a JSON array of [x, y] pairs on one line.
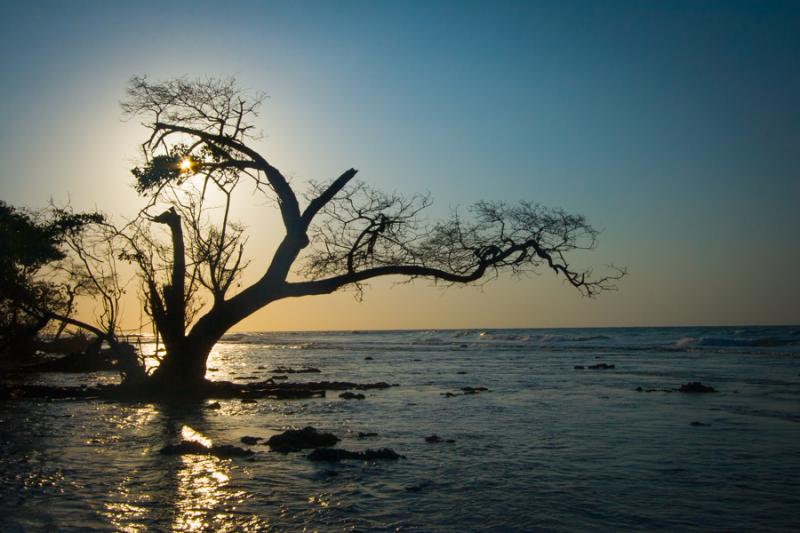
[[287, 370], [293, 440], [335, 454], [368, 358], [640, 389], [436, 439], [351, 396], [698, 424], [188, 447], [696, 386], [364, 435], [250, 440], [474, 390], [214, 405]]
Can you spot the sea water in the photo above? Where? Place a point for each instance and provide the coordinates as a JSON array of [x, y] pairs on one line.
[[547, 448]]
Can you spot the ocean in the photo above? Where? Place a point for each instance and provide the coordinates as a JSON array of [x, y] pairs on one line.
[[548, 447]]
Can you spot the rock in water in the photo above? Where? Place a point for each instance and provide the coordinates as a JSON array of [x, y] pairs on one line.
[[333, 455], [435, 439], [250, 440], [187, 447], [351, 396], [287, 370], [293, 440], [601, 366], [696, 386], [473, 390]]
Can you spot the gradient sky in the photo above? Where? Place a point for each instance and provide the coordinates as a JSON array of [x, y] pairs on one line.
[[673, 126]]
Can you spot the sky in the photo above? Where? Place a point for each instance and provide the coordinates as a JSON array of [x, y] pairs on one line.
[[674, 126]]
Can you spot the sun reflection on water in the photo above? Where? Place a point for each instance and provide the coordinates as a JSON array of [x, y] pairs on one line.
[[190, 434], [189, 492]]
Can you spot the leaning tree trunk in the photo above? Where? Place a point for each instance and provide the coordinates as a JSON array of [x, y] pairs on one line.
[[184, 363], [186, 357]]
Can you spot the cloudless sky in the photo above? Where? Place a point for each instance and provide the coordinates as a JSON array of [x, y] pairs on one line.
[[673, 126]]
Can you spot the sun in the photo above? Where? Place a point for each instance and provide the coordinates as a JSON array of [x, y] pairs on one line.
[[186, 165]]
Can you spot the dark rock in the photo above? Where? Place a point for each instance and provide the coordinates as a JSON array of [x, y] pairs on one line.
[[639, 389], [287, 370], [293, 440], [351, 396], [579, 367], [250, 441], [206, 390], [698, 424], [248, 400], [363, 435], [317, 386], [461, 372], [436, 439], [368, 358], [473, 390], [215, 405], [448, 394], [601, 366], [213, 369], [696, 386], [334, 454], [278, 376], [195, 448]]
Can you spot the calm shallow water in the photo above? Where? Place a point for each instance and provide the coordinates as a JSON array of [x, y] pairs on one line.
[[549, 448]]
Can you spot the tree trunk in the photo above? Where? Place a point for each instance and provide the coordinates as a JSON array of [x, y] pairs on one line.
[[184, 364]]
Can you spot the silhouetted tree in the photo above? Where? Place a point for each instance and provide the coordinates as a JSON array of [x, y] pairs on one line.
[[34, 290], [344, 233]]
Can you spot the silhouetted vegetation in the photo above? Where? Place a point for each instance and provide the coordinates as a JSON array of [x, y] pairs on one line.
[[189, 250], [33, 291], [340, 233]]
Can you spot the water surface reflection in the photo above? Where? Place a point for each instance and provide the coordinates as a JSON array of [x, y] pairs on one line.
[[188, 492]]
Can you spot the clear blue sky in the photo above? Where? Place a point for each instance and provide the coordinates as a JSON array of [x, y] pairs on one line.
[[674, 126]]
